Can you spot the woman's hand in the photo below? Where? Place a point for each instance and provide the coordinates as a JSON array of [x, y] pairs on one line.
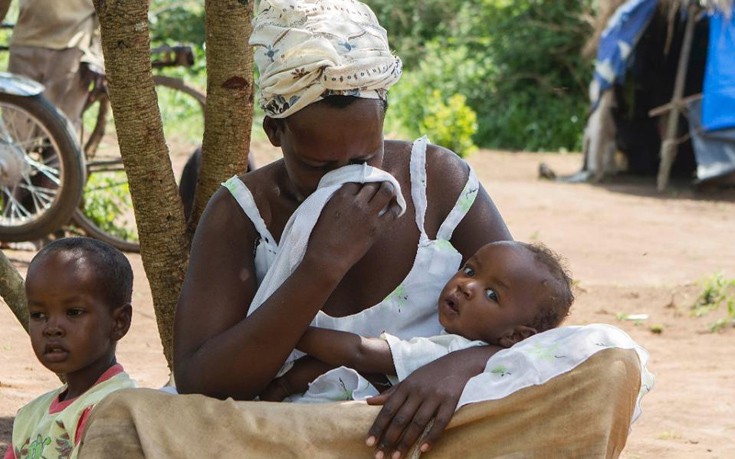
[[353, 219], [430, 393]]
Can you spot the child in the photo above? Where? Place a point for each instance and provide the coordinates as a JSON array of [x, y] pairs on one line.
[[79, 292], [506, 292]]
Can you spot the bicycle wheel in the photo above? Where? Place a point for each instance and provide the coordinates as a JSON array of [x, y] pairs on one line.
[[41, 168], [106, 211]]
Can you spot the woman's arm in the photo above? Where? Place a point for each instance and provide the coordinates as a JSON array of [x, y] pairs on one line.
[[365, 355], [430, 393], [220, 351]]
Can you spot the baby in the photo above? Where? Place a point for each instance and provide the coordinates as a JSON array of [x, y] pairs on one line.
[[506, 292], [79, 292]]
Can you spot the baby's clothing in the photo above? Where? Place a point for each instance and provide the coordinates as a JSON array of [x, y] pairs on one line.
[[47, 427], [344, 383], [409, 356]]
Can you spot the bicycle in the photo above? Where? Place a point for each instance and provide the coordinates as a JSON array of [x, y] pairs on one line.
[[42, 168], [106, 211], [49, 180]]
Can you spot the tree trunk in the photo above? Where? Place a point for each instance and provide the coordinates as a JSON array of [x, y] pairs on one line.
[[164, 245], [229, 111], [12, 290]]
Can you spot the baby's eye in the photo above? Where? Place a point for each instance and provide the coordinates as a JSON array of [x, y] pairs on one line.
[[468, 271], [491, 295], [75, 312]]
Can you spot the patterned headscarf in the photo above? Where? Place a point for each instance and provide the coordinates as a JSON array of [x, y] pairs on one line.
[[306, 50]]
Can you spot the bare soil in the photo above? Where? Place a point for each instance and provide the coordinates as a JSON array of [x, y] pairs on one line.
[[631, 249]]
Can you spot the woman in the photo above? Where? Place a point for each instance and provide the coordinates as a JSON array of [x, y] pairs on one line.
[[324, 70], [358, 252]]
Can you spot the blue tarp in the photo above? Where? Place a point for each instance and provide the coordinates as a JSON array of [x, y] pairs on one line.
[[714, 150], [617, 43], [718, 106]]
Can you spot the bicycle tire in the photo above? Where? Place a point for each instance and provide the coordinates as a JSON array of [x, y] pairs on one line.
[[106, 174], [53, 176]]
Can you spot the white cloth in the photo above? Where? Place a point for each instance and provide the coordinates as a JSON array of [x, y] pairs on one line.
[[339, 384], [533, 361], [409, 356], [296, 234], [308, 49], [344, 383], [410, 310], [543, 356]]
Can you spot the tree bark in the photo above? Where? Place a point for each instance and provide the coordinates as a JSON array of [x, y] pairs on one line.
[[12, 290], [229, 111], [164, 245]]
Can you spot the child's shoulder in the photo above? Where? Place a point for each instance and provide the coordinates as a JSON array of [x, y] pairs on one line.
[[42, 402]]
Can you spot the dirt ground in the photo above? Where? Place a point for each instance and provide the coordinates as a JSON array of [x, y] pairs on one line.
[[631, 250]]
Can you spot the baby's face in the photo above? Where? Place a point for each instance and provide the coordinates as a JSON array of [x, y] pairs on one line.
[[498, 289], [70, 323]]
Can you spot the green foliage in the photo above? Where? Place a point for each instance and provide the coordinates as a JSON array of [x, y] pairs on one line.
[[180, 22], [429, 101], [716, 291], [413, 24], [451, 123], [518, 64], [107, 203]]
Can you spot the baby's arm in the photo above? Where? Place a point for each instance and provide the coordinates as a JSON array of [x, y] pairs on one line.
[[365, 355]]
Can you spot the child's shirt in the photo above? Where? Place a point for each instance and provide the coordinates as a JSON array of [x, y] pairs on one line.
[[48, 427]]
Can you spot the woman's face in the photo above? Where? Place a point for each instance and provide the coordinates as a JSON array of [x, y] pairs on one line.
[[321, 138]]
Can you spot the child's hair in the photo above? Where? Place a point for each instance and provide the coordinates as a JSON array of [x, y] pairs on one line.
[[555, 308], [112, 268]]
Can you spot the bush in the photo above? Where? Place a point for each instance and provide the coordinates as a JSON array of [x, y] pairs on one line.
[[419, 107], [517, 63]]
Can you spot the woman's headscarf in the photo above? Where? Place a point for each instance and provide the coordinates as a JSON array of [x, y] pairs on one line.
[[306, 50]]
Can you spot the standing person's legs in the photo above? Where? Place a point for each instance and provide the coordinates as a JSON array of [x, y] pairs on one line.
[[59, 71], [65, 87]]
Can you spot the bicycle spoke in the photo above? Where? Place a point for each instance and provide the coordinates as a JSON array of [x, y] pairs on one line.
[[49, 172], [16, 211]]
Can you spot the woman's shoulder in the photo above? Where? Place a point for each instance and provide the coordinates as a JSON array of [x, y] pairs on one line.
[[261, 182], [440, 161]]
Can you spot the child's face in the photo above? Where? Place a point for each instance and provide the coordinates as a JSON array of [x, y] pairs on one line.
[[73, 329], [494, 295]]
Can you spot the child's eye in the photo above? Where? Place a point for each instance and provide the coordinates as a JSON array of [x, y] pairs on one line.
[[491, 295], [468, 271], [37, 315], [75, 312]]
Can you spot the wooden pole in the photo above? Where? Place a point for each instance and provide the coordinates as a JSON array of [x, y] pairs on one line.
[[668, 145]]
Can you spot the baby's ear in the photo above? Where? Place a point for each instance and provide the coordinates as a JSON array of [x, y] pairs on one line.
[[121, 318], [516, 335]]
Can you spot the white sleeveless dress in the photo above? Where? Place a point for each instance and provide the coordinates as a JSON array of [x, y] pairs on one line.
[[411, 310]]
